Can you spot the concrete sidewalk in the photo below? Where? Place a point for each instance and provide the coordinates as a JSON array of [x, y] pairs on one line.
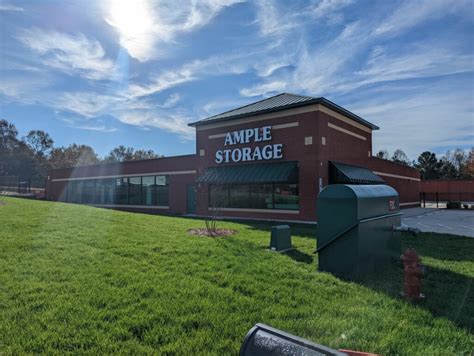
[[456, 222]]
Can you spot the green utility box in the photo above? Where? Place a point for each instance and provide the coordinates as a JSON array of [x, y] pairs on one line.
[[355, 230], [281, 238]]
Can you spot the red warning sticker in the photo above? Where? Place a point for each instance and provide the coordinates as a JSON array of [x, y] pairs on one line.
[[392, 205]]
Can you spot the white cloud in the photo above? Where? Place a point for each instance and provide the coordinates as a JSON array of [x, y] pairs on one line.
[[9, 7], [264, 89], [171, 101], [191, 71], [422, 119], [421, 62], [175, 122], [100, 128], [144, 26], [73, 54], [85, 104], [413, 13], [330, 9], [271, 20], [165, 80]]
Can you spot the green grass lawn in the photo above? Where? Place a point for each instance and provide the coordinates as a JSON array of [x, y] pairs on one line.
[[76, 279]]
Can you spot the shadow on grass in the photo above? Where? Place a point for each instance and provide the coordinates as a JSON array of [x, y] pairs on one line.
[[299, 256], [447, 294], [442, 246], [300, 230]]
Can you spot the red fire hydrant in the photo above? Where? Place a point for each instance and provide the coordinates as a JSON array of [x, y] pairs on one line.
[[412, 272]]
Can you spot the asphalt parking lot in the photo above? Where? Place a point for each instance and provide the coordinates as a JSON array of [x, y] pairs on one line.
[[456, 222]]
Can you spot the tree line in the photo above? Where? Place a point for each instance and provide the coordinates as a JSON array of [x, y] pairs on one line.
[[31, 156], [457, 164]]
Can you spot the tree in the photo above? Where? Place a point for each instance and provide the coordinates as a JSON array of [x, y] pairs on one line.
[[145, 154], [8, 143], [470, 165], [8, 134], [429, 165], [400, 157], [39, 142], [382, 154], [447, 169], [72, 156], [122, 154]]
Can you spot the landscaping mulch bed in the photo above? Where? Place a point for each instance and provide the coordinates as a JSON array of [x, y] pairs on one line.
[[217, 233]]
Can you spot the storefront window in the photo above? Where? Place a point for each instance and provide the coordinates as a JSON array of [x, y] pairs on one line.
[[135, 190], [109, 191], [121, 191], [219, 195], [239, 196], [255, 196], [75, 191], [88, 194], [148, 190], [286, 196], [162, 191], [261, 196]]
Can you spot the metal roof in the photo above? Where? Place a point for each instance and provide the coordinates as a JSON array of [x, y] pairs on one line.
[[280, 172], [280, 102], [341, 173]]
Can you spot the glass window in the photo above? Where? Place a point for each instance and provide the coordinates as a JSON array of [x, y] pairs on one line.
[[162, 191], [100, 191], [135, 190], [109, 191], [286, 196], [239, 196], [261, 196], [255, 196], [63, 197], [88, 195], [219, 196], [76, 191], [162, 195], [148, 190], [121, 191]]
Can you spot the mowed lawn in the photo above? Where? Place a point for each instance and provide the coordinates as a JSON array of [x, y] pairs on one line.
[[77, 279]]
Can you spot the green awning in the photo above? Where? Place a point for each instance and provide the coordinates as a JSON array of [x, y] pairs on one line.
[[340, 173], [281, 172]]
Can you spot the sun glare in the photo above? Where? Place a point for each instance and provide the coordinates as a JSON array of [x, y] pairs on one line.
[[130, 18], [134, 23]]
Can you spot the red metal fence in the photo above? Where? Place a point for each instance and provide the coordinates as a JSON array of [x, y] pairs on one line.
[[441, 191]]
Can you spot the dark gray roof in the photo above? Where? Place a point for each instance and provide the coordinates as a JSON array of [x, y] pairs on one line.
[[278, 172], [280, 102], [342, 173]]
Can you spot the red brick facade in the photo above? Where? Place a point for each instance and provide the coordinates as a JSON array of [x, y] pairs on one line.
[[181, 171], [311, 135]]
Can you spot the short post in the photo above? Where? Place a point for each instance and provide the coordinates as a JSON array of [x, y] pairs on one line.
[[436, 199], [424, 199]]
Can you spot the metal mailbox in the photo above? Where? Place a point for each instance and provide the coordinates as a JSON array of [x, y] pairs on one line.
[[356, 229]]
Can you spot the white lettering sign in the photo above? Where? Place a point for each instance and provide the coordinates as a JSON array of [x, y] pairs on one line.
[[245, 154]]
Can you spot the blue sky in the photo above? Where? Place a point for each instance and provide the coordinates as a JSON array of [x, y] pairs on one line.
[[106, 73]]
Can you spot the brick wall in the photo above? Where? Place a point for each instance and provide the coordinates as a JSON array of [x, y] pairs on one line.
[[407, 184]]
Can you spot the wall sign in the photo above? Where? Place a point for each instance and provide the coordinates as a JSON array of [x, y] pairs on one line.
[[258, 134]]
